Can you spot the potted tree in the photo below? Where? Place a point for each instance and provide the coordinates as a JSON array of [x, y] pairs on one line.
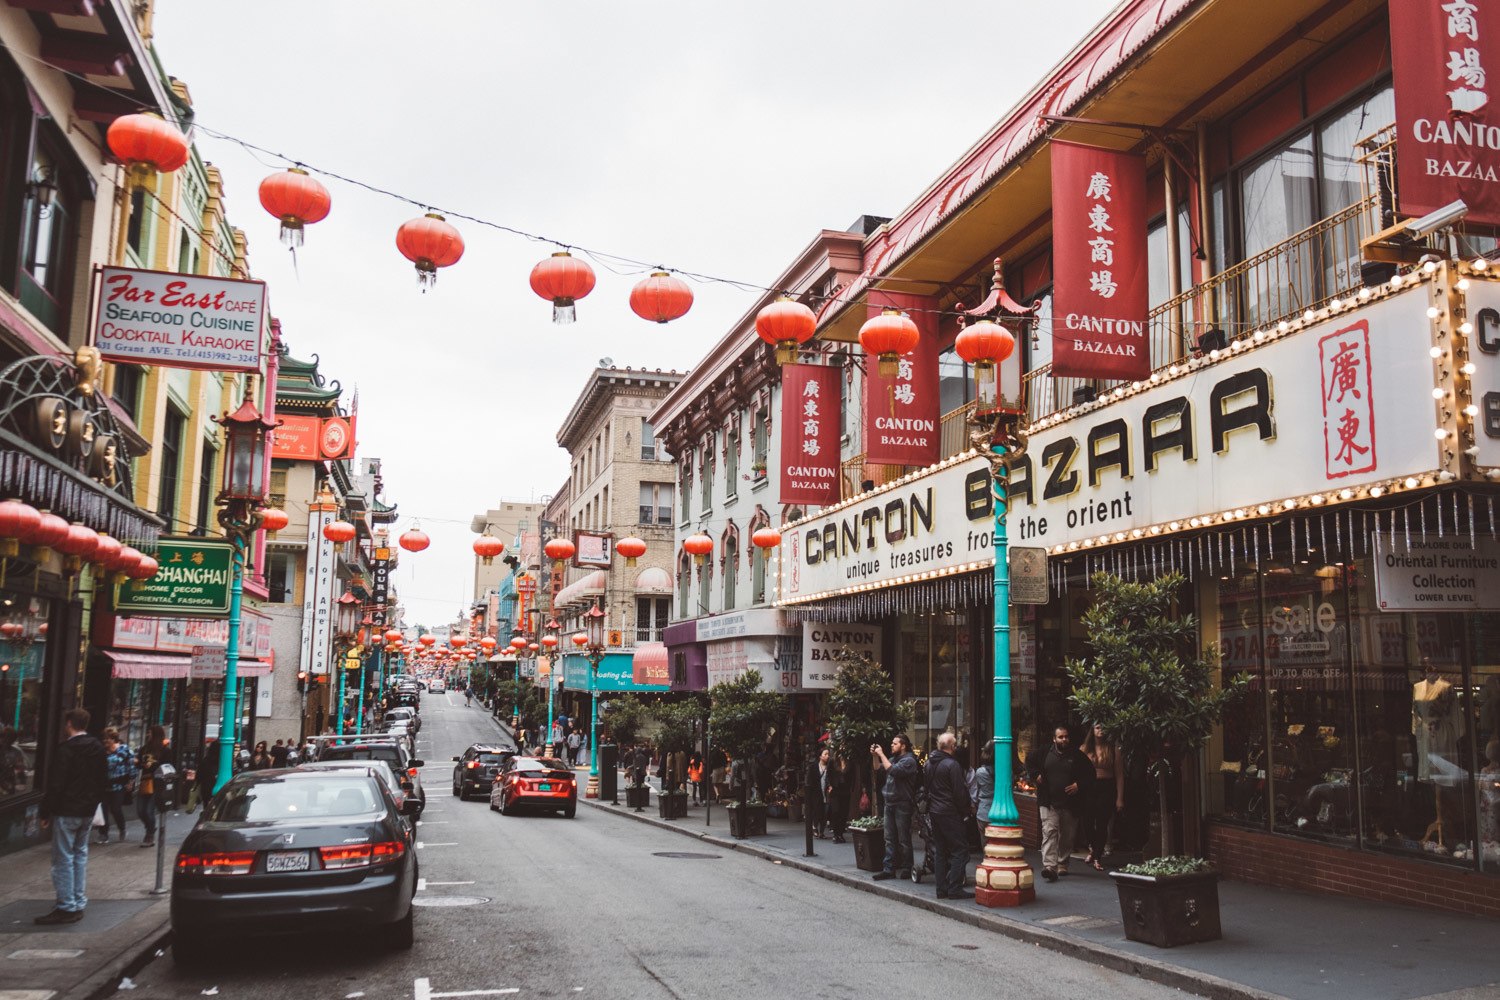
[[862, 709], [626, 716], [742, 718], [1158, 698], [677, 724]]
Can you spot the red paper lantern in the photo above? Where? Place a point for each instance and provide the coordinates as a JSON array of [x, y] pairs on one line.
[[631, 548], [339, 532], [145, 143], [427, 640], [766, 538], [430, 243], [78, 540], [580, 639], [51, 531], [550, 641], [517, 641], [274, 519], [533, 647], [392, 636], [414, 540], [700, 545], [18, 521], [564, 279], [888, 336], [559, 549], [106, 552], [985, 345], [661, 298], [458, 641], [297, 200], [786, 324], [128, 559], [488, 643], [145, 568], [488, 547]]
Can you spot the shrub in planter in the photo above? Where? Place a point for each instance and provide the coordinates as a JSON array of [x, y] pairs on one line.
[[637, 796], [672, 805], [862, 709], [1169, 901], [742, 718], [868, 834], [747, 819]]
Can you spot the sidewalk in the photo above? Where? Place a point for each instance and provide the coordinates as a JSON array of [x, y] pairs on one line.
[[1277, 942], [123, 921]]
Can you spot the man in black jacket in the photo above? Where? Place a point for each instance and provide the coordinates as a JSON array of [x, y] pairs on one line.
[[1062, 777], [948, 805], [76, 779], [903, 777]]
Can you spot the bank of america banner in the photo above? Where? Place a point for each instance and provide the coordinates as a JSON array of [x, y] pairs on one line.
[[1448, 125], [810, 434], [902, 412], [1100, 294], [317, 592]]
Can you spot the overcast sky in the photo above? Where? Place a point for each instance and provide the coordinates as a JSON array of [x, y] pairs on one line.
[[716, 137]]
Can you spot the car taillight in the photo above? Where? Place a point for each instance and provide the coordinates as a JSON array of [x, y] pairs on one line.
[[411, 771], [360, 855], [470, 765], [238, 863]]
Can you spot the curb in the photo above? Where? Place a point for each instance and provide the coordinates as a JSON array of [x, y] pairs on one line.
[[1153, 970], [105, 980]]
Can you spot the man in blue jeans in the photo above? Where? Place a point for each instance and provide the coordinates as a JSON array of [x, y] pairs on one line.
[[948, 807], [76, 778], [902, 777]]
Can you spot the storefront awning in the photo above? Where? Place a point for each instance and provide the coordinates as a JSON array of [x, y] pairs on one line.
[[592, 585], [654, 581], [649, 664], [134, 666]]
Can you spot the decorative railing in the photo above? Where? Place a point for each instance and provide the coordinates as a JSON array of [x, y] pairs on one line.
[[953, 437]]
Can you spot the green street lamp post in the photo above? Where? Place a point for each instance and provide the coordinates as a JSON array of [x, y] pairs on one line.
[[240, 504], [593, 652], [346, 617]]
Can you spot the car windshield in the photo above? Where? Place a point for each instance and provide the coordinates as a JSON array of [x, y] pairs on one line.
[[390, 755], [492, 758], [305, 798]]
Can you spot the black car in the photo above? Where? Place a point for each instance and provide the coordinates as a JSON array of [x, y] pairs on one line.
[[387, 748], [379, 768], [475, 771], [289, 851]]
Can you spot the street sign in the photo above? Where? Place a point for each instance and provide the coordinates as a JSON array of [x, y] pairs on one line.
[[193, 581], [1028, 575], [210, 663]]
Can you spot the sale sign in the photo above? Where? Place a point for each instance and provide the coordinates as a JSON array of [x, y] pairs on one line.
[[179, 320], [1449, 130], [1100, 297], [810, 434], [903, 422]]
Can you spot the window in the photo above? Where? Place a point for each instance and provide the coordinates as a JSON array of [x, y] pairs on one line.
[[21, 708], [684, 586], [648, 442], [687, 482], [206, 489], [656, 503], [184, 253], [281, 578], [171, 467], [135, 231], [705, 579], [759, 436], [1158, 290], [732, 461], [46, 257], [758, 576], [128, 389], [731, 570], [651, 616], [953, 381], [708, 469]]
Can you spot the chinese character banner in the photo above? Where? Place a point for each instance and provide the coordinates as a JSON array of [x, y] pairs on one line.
[[1100, 303], [1449, 133], [903, 419], [810, 434]]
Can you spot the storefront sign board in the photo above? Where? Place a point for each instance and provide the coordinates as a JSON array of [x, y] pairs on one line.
[[938, 523], [1437, 574], [823, 641], [1028, 575], [592, 550], [179, 320], [616, 673], [731, 659], [210, 663], [183, 635], [193, 580], [1342, 403], [810, 400], [1483, 307], [756, 621]]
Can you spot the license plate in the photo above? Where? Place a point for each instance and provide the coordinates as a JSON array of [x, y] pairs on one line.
[[544, 787], [288, 861]]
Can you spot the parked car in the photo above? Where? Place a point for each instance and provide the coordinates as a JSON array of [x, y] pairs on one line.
[[475, 769], [289, 851], [404, 713], [437, 686], [379, 768], [387, 747], [544, 782]]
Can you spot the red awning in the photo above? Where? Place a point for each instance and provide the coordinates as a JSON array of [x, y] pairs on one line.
[[134, 666], [649, 664]]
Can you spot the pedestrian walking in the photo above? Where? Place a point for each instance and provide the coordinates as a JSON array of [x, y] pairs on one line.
[[76, 781], [695, 777], [156, 752], [120, 774], [984, 786], [208, 770], [903, 776], [815, 784], [1062, 776], [949, 808], [260, 758], [1106, 795], [279, 754], [575, 742], [836, 797]]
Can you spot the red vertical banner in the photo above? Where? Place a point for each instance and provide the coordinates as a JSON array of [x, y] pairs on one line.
[[810, 434], [1100, 296], [902, 414], [1448, 144]]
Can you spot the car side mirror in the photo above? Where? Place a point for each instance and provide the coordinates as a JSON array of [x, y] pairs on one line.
[[410, 807], [419, 763], [455, 760]]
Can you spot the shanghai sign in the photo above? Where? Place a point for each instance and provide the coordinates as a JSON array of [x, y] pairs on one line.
[[179, 320], [193, 581]]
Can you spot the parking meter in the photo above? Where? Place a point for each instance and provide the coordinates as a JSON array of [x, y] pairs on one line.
[[166, 787]]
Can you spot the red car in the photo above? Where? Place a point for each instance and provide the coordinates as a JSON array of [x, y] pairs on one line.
[[545, 782]]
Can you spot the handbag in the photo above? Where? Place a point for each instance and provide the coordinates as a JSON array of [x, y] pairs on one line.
[[99, 819]]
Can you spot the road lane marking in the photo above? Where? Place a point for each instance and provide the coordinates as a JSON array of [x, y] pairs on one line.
[[422, 844], [422, 990]]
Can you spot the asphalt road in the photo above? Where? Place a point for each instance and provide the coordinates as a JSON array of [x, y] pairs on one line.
[[541, 906]]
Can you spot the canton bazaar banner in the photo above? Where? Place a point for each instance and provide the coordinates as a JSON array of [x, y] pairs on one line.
[[1100, 298], [179, 320], [1448, 124], [810, 434], [1343, 403], [902, 415]]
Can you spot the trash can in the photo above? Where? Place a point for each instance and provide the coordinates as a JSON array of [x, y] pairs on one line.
[[609, 773]]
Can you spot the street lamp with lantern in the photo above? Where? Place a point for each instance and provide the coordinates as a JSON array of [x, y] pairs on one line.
[[240, 502], [593, 652], [346, 621]]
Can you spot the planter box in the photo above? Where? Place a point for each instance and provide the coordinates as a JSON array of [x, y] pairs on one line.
[[1169, 910], [794, 812], [869, 848], [672, 805], [751, 824], [638, 798]]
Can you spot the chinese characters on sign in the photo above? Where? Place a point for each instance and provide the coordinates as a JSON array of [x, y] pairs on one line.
[[901, 413], [810, 434], [1348, 401], [1099, 241], [1441, 51], [194, 579]]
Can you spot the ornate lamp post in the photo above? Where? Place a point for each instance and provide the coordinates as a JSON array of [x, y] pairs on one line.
[[593, 652], [346, 620], [240, 502], [1003, 878]]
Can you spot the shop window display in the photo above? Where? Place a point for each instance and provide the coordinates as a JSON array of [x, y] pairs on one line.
[[23, 647], [937, 675], [1242, 789]]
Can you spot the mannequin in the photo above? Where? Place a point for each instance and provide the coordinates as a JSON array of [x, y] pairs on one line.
[[1434, 723]]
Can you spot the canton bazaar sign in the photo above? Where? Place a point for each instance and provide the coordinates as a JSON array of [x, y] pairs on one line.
[[1340, 404], [179, 320]]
